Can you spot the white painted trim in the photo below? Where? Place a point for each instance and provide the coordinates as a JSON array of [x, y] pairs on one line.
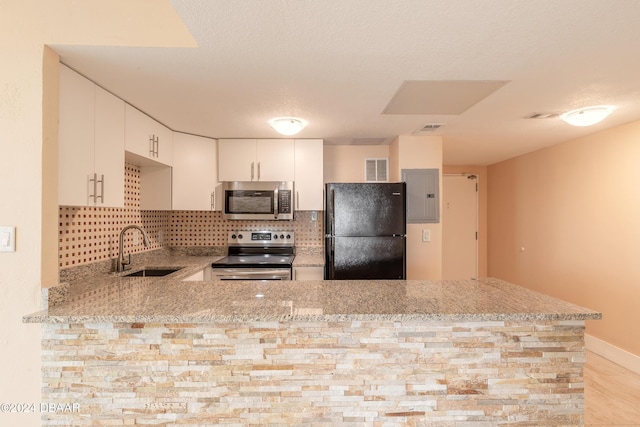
[[615, 354]]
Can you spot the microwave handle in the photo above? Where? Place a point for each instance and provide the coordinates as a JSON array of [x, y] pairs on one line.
[[275, 202]]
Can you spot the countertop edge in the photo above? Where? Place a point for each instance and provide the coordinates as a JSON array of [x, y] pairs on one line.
[[43, 317]]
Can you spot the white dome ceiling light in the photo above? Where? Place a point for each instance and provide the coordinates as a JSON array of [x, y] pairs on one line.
[[287, 125], [587, 116]]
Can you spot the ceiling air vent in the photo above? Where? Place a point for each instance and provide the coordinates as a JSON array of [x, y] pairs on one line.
[[376, 170], [428, 128], [542, 116]]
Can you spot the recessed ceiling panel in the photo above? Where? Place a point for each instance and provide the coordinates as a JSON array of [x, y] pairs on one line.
[[442, 97]]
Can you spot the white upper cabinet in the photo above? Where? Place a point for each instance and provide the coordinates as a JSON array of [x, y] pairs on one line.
[[195, 173], [91, 144], [309, 175], [236, 159], [256, 160], [275, 159], [147, 138]]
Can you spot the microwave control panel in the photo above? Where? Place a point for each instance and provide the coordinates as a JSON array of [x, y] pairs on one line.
[[284, 201]]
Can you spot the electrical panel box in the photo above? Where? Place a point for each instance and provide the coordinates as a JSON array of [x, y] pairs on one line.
[[423, 195]]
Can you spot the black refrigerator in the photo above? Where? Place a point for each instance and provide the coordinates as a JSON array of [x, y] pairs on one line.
[[365, 227]]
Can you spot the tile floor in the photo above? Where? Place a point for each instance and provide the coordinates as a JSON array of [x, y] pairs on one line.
[[612, 394]]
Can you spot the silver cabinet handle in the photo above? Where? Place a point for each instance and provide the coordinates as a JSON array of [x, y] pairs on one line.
[[95, 187], [258, 171], [213, 200], [101, 196], [252, 163], [297, 200], [154, 146]]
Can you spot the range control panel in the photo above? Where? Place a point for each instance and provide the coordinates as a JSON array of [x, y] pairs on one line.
[[261, 238]]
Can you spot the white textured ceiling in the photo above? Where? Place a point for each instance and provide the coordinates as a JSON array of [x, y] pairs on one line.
[[339, 63]]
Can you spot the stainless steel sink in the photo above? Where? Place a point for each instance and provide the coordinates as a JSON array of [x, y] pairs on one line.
[[153, 272]]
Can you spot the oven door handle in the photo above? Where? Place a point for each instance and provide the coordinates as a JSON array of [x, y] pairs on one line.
[[251, 274]]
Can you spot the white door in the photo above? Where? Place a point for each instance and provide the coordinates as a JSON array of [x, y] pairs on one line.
[[459, 227]]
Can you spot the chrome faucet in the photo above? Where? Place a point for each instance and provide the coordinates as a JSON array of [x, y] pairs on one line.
[[122, 263]]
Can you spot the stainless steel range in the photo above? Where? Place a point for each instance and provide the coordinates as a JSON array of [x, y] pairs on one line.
[[256, 255]]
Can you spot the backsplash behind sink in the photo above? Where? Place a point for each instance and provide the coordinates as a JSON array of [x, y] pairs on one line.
[[90, 234]]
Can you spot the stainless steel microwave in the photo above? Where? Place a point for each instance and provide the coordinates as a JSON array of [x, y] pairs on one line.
[[258, 200]]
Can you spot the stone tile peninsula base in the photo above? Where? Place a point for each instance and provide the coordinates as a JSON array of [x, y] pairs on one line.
[[359, 373]]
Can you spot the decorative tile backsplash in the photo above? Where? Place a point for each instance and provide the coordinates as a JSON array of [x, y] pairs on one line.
[[90, 234]]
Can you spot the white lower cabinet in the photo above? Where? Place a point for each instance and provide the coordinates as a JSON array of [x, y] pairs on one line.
[[308, 273], [195, 174]]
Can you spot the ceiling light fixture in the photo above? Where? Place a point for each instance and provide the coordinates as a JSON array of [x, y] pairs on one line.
[[287, 125], [586, 116]]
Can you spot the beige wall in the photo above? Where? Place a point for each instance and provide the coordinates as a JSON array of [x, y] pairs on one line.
[[566, 221], [481, 173], [28, 141], [345, 163], [424, 259]]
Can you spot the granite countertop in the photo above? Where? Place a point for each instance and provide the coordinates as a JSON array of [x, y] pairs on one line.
[[112, 298]]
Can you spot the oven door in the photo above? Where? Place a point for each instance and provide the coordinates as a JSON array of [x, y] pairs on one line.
[[250, 273]]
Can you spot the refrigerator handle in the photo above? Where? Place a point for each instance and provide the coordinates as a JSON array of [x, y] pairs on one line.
[[333, 212], [332, 264]]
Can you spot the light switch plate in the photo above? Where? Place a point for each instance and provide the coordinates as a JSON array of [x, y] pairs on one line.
[[7, 239], [426, 235]]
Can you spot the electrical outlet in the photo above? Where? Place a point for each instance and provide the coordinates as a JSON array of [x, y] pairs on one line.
[[426, 235]]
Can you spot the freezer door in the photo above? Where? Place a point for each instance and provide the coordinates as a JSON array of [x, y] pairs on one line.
[[366, 209], [355, 258]]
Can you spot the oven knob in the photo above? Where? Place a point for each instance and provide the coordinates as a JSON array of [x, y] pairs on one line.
[[233, 236], [275, 237], [288, 236], [282, 236], [239, 236]]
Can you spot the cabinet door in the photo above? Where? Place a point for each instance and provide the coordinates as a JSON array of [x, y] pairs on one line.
[[164, 144], [146, 137], [137, 132], [195, 173], [109, 148], [237, 160], [308, 273], [76, 135], [275, 160], [309, 175]]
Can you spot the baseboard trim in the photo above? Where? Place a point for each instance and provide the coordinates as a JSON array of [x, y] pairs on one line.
[[615, 354]]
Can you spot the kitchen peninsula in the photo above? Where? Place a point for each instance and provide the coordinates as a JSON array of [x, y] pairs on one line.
[[163, 351]]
